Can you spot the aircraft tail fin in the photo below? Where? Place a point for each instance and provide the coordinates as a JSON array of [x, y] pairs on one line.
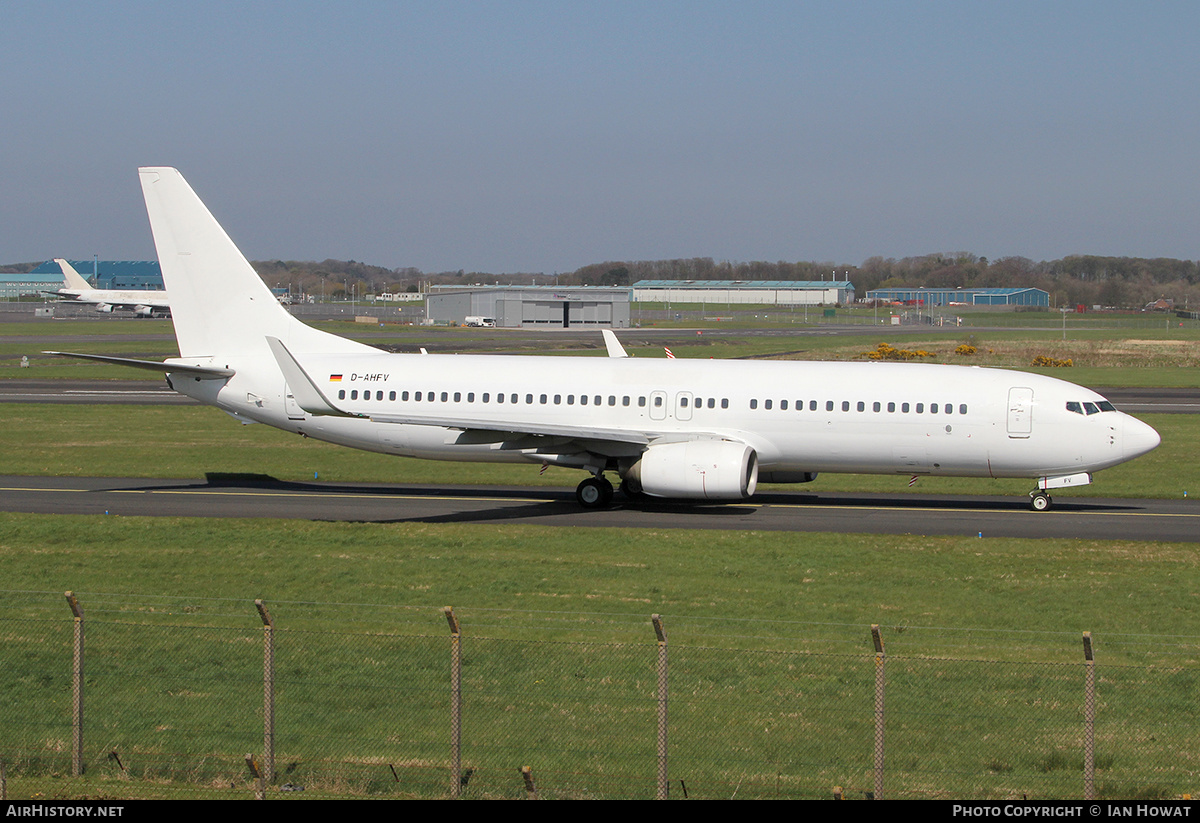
[[219, 304], [73, 279]]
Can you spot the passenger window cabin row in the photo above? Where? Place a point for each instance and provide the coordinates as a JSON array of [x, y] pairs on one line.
[[657, 400], [514, 398], [861, 405]]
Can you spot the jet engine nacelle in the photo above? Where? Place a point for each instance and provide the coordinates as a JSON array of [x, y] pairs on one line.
[[144, 311], [696, 469], [104, 307]]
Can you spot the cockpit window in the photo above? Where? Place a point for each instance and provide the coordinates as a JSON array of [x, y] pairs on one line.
[[1090, 408]]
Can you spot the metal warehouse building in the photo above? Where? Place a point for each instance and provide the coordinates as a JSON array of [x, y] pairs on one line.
[[756, 292], [111, 274], [515, 307], [103, 274], [13, 286], [970, 297]]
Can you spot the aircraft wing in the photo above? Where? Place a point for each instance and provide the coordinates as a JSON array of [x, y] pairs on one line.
[[310, 398], [156, 308], [130, 305], [544, 429]]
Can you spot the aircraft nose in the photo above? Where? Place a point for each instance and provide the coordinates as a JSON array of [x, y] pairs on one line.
[[1138, 438]]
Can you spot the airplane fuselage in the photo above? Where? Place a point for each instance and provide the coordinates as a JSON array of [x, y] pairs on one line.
[[147, 303], [912, 419]]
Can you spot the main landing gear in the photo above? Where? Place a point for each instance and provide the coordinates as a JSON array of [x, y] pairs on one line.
[[594, 492], [1039, 501]]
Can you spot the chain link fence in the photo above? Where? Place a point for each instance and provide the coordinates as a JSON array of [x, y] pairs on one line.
[[134, 697]]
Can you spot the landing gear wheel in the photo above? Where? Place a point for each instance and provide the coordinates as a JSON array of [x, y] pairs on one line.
[[630, 494], [594, 493], [1039, 501]]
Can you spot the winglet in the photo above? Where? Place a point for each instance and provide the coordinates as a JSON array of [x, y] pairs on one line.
[[307, 395], [615, 349]]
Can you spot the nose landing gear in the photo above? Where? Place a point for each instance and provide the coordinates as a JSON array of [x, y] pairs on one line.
[[1039, 498]]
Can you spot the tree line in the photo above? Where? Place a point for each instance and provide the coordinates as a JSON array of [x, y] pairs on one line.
[[1120, 282]]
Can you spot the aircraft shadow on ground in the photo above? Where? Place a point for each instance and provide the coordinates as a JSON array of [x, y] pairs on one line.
[[538, 502], [945, 502]]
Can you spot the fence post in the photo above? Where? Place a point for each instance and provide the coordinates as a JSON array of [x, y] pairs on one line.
[[455, 703], [880, 682], [1089, 719], [260, 787], [530, 788], [268, 692], [76, 689], [661, 632]]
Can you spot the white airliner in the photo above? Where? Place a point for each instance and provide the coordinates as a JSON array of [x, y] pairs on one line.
[[672, 428], [144, 302]]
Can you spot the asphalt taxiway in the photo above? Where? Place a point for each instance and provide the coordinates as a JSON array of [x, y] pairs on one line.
[[253, 496]]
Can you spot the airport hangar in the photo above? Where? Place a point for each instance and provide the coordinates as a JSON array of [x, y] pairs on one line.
[[563, 307], [968, 297], [747, 292], [531, 307], [103, 274]]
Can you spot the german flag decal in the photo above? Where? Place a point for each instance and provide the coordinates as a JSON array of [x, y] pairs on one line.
[[335, 378]]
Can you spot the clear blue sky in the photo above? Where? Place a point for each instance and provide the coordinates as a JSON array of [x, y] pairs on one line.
[[542, 136]]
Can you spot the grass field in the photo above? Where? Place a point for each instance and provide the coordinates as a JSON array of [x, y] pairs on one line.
[[769, 634], [906, 582]]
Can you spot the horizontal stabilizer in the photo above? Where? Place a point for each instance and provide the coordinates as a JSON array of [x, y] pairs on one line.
[[151, 365]]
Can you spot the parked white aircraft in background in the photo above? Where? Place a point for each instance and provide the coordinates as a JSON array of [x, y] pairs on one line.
[[696, 429], [144, 302]]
